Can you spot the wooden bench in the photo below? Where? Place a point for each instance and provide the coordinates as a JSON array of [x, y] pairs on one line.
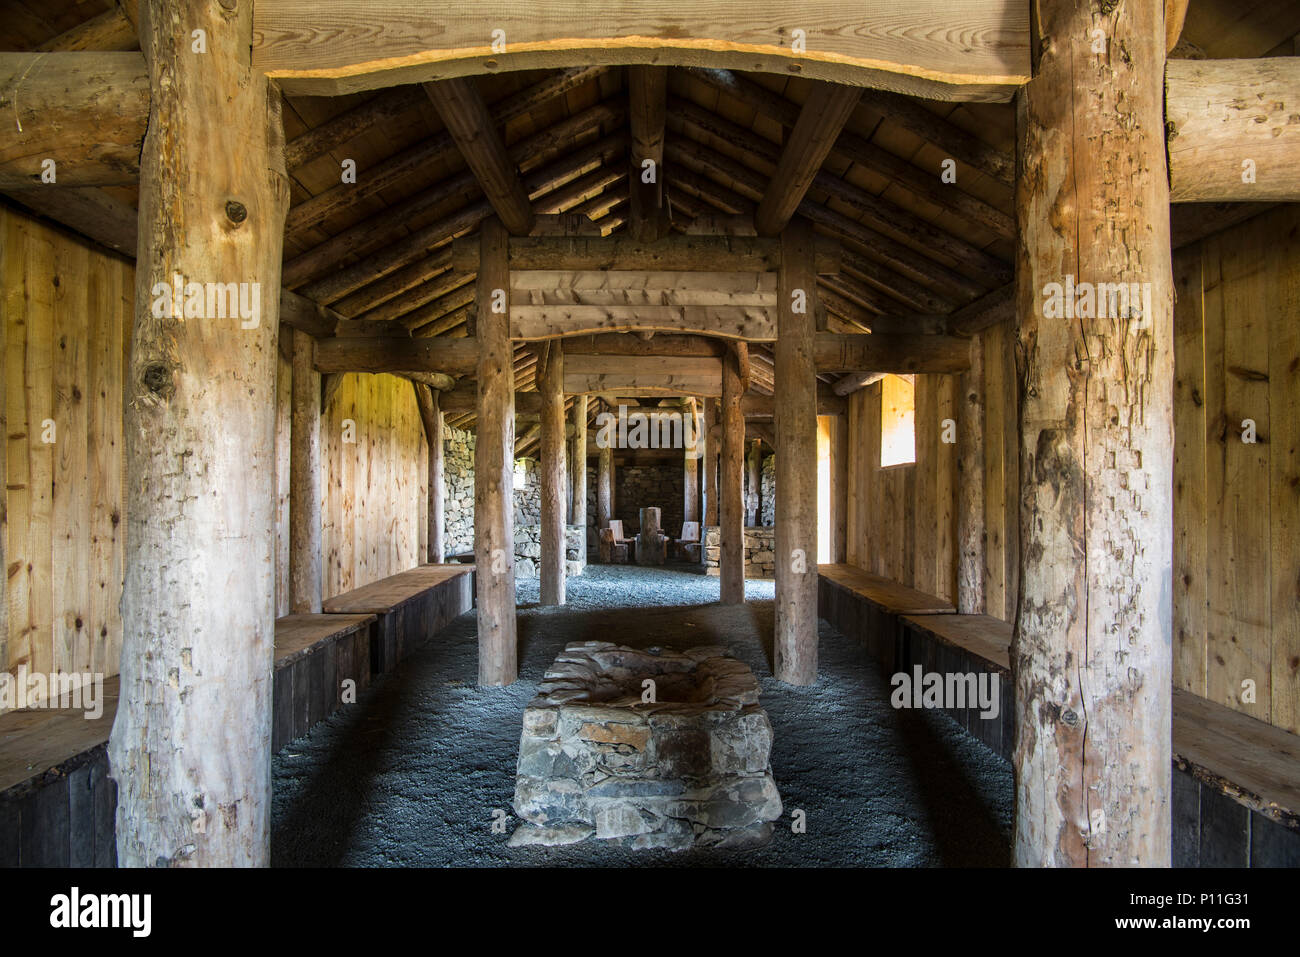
[[1236, 780], [314, 656], [967, 644], [1236, 788], [411, 606], [57, 802], [868, 608]]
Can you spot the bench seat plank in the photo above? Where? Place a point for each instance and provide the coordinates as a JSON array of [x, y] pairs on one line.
[[893, 598], [388, 594], [982, 636], [1247, 759]]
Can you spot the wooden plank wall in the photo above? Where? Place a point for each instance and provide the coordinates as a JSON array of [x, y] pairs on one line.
[[67, 313], [373, 499], [1237, 505], [902, 520], [67, 310]]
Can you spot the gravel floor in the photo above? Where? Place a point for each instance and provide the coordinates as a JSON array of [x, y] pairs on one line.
[[416, 771]]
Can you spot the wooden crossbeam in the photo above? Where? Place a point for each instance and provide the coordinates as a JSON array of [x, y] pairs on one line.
[[470, 124], [670, 254], [1232, 130], [820, 122], [976, 50], [642, 375], [84, 112], [733, 322], [895, 353], [454, 357]]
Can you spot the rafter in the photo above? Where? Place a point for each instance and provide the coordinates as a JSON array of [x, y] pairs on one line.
[[471, 125], [820, 122]]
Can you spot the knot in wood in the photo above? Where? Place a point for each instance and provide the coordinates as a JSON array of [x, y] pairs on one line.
[[235, 211]]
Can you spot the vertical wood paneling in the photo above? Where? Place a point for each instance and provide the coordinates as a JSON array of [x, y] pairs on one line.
[[1284, 470], [1190, 562], [372, 489], [67, 311], [1239, 642], [1236, 522]]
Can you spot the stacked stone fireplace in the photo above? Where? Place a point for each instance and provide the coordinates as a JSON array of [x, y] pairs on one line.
[[650, 748]]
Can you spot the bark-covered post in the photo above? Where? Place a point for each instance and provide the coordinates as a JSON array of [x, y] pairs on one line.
[[971, 542], [795, 638], [304, 480], [731, 502], [1091, 656], [550, 382], [494, 493], [431, 415], [191, 745]]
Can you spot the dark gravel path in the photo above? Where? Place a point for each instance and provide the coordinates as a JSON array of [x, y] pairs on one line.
[[412, 774]]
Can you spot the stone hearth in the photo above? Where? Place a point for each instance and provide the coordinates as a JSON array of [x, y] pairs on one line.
[[597, 759]]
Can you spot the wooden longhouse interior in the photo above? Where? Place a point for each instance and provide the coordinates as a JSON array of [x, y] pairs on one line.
[[323, 324]]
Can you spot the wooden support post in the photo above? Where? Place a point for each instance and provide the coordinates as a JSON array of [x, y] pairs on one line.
[[795, 639], [648, 101], [191, 746], [4, 495], [691, 467], [550, 379], [304, 480], [840, 489], [578, 467], [494, 505], [605, 487], [428, 400], [1091, 660], [752, 487], [971, 532], [710, 462], [731, 498]]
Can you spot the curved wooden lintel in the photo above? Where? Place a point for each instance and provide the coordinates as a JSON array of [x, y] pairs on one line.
[[926, 48]]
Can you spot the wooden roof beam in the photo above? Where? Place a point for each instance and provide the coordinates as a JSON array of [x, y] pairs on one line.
[[921, 183], [823, 117], [87, 112], [471, 126], [648, 105]]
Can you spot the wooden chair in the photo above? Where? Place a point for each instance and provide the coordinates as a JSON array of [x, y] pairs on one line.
[[688, 546], [612, 551]]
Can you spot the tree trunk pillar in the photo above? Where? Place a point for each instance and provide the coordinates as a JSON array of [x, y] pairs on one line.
[[494, 507], [605, 487], [304, 480], [710, 462], [971, 541], [691, 464], [753, 486], [550, 382], [578, 466], [428, 401], [731, 497], [191, 746], [1091, 658], [795, 639]]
